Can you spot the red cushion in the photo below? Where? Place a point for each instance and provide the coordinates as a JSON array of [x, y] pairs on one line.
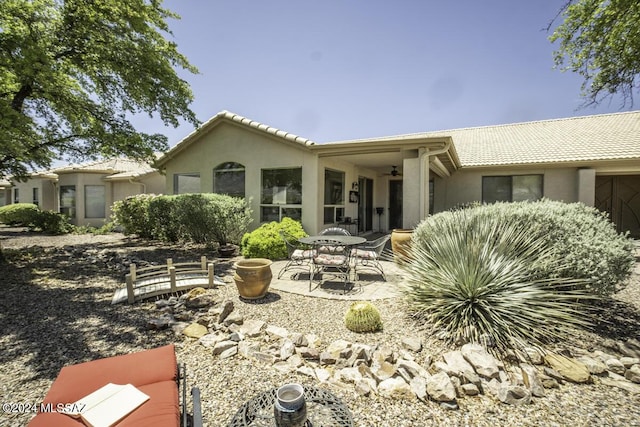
[[141, 368], [162, 409], [152, 371]]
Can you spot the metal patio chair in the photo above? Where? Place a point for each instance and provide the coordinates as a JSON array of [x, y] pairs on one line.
[[367, 256], [299, 255], [336, 261]]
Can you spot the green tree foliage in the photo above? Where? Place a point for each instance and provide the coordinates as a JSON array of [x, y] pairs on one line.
[[73, 72], [600, 40]]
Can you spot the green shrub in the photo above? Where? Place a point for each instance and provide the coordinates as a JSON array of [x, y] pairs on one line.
[[132, 214], [52, 223], [19, 214], [475, 276], [106, 228], [266, 242], [213, 218], [583, 242], [363, 317], [164, 221]]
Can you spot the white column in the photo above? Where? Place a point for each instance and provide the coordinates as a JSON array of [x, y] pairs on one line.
[[587, 186]]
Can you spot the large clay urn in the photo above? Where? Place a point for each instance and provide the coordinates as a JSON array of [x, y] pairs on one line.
[[401, 244], [253, 277]]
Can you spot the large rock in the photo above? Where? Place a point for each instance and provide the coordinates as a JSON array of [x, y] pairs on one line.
[[531, 379], [338, 347], [595, 366], [396, 388], [412, 343], [252, 328], [222, 346], [633, 374], [483, 362], [440, 388], [570, 369], [457, 364], [225, 310], [514, 395], [195, 330]]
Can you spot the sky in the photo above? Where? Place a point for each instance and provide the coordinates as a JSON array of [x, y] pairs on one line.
[[335, 70]]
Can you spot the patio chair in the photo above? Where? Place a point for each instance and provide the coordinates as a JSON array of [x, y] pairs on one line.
[[367, 256], [336, 261], [299, 255], [334, 231]]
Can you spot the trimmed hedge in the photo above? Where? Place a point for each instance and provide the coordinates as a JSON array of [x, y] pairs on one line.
[[584, 243], [19, 214], [200, 218], [266, 242]]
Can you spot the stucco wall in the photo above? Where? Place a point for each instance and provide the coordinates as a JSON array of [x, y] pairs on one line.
[[46, 192], [256, 151], [465, 185]]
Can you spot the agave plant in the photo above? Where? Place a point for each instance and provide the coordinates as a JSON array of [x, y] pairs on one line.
[[473, 276]]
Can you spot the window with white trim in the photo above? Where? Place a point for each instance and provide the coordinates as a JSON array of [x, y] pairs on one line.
[[281, 194], [184, 183], [511, 188], [228, 178]]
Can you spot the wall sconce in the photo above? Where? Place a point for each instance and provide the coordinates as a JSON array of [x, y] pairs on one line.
[[354, 186]]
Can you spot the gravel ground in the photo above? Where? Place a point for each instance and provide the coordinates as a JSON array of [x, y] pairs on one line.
[[55, 310]]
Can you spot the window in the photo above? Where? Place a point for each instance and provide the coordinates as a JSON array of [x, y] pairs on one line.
[[186, 183], [511, 188], [281, 194], [36, 196], [16, 195], [68, 200], [94, 201], [228, 178], [333, 196]]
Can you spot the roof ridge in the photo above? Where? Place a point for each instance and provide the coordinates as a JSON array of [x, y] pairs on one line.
[[263, 127]]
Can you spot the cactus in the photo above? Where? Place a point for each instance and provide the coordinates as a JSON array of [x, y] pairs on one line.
[[363, 317]]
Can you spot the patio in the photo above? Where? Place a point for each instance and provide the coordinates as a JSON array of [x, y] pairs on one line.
[[367, 287]]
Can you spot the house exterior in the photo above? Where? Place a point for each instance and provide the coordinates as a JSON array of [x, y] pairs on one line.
[[86, 192], [379, 184]]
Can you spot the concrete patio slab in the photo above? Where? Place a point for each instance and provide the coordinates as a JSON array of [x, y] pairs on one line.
[[366, 287]]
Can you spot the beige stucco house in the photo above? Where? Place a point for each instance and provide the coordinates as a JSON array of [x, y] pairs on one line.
[[86, 192], [394, 182]]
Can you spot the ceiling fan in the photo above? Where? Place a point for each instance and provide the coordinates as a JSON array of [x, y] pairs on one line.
[[394, 171]]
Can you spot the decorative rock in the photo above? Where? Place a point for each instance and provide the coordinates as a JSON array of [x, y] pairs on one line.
[[570, 369], [615, 380], [532, 380], [412, 343], [287, 349], [382, 371], [235, 336], [396, 388], [225, 309], [549, 382], [350, 375], [470, 389], [336, 348], [233, 319], [247, 349], [533, 356], [264, 357], [322, 374], [419, 388], [484, 363], [230, 352], [159, 323], [284, 367], [252, 328], [615, 366], [633, 374], [276, 331], [223, 345], [210, 340], [594, 366], [305, 370], [514, 395], [440, 388], [457, 364], [628, 362], [413, 369], [452, 406], [178, 327], [199, 301], [364, 386], [327, 358], [307, 353], [313, 340], [195, 330], [299, 340]]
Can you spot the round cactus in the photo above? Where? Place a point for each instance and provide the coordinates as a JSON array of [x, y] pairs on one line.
[[363, 317]]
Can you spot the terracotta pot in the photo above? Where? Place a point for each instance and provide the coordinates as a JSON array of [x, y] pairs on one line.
[[253, 277], [401, 243]]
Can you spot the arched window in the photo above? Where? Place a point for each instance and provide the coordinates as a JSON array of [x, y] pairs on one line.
[[228, 178]]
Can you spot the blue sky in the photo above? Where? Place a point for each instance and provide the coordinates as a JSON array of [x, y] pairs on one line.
[[333, 70]]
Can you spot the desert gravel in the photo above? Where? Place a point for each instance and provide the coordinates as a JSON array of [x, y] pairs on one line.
[[55, 310]]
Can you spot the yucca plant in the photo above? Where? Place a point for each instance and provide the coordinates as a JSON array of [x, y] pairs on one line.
[[474, 276]]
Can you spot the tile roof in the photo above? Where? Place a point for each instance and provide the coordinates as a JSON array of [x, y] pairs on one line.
[[578, 139], [114, 166]]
